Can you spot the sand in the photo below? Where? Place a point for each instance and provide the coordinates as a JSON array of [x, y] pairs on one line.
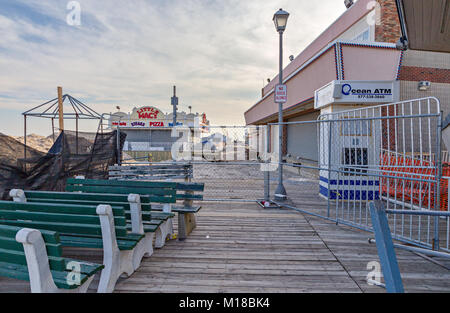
[[37, 142]]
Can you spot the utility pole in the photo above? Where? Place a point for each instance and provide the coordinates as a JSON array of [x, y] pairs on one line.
[[60, 109], [175, 105]]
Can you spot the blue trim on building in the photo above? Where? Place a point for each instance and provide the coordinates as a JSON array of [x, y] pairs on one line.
[[350, 182], [365, 195]]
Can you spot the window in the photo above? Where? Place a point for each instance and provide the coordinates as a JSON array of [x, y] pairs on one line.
[[364, 36], [357, 160]]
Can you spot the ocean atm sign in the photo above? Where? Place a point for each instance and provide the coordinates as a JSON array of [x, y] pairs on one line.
[[280, 94], [356, 92]]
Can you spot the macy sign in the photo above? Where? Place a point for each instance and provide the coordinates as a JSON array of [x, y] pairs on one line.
[[148, 113]]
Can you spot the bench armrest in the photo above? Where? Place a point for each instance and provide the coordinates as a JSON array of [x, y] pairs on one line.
[[18, 195], [41, 279], [137, 227]]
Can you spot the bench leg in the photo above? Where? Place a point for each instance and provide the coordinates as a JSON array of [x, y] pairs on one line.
[[143, 249], [149, 244], [186, 221], [138, 254], [165, 230], [186, 224], [115, 261], [110, 274], [191, 222], [122, 263], [181, 227]]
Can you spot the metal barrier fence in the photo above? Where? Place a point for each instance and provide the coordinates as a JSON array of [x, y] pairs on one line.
[[228, 159], [224, 181], [389, 152]]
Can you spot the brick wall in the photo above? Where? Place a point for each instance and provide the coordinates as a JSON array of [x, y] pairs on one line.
[[415, 73], [389, 29]]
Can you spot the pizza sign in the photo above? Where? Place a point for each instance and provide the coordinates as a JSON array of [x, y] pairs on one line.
[[156, 124], [148, 113]]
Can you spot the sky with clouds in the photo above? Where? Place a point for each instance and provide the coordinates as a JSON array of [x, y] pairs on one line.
[[131, 53]]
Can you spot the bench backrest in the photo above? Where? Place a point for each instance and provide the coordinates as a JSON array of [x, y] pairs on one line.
[[12, 252], [151, 172], [160, 192], [87, 199], [186, 191], [66, 219]]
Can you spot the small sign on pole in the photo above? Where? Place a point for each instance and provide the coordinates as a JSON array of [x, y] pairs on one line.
[[280, 94]]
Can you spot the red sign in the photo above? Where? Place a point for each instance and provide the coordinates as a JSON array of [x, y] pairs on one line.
[[148, 113], [156, 124], [280, 94], [119, 124]]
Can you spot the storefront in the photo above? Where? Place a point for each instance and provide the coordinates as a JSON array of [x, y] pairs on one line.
[[149, 130], [359, 142], [354, 63]]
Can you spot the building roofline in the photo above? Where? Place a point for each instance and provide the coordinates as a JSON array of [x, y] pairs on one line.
[[361, 5], [319, 54]]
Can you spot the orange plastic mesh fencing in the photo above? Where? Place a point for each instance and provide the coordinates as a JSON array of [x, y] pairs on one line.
[[413, 180]]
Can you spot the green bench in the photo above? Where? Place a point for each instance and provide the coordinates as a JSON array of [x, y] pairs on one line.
[[187, 192], [36, 256], [101, 227], [140, 218], [151, 172], [165, 193]]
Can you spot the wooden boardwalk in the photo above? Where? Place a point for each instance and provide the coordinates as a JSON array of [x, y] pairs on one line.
[[240, 247], [244, 248]]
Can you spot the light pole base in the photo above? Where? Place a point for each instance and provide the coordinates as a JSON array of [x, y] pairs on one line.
[[280, 198], [280, 193]]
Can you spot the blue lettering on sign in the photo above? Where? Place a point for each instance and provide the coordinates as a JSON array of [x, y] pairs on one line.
[[346, 89]]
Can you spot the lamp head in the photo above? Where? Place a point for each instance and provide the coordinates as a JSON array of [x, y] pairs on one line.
[[280, 19]]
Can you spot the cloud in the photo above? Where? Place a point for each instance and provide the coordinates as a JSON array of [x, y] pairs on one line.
[[130, 53]]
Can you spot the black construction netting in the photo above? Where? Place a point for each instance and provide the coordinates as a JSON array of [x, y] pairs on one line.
[[73, 153]]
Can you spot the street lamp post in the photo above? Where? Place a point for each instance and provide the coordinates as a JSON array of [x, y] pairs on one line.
[[280, 19]]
